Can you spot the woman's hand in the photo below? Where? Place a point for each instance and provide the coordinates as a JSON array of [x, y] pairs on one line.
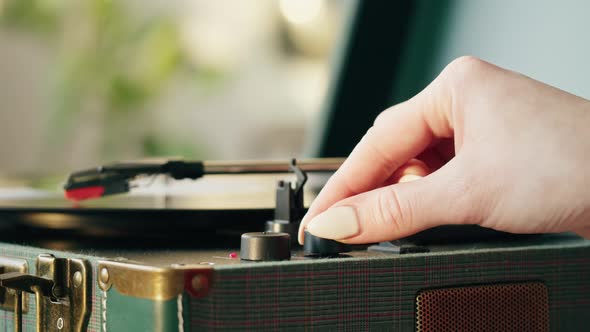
[[480, 145]]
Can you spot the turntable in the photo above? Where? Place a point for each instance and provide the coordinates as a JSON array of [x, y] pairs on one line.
[[179, 255]]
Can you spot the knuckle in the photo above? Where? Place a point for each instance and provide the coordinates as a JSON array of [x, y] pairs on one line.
[[461, 81], [387, 116], [466, 64], [374, 143], [392, 212], [469, 198], [382, 118], [379, 118], [464, 71]]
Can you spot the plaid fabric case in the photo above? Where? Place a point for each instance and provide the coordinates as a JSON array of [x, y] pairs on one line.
[[358, 293]]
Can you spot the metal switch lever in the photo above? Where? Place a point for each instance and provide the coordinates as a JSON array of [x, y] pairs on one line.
[[27, 283], [22, 282], [289, 204]]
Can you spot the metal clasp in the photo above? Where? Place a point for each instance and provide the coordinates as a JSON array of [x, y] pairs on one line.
[[62, 289]]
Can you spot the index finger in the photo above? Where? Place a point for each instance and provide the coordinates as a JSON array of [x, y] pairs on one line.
[[398, 134]]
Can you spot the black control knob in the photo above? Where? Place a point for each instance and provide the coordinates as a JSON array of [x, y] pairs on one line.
[[320, 247], [265, 246]]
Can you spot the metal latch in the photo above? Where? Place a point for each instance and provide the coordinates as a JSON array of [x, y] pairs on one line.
[[62, 288], [8, 296]]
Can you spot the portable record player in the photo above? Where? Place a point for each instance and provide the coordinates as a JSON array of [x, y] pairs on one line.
[[169, 256], [213, 278]]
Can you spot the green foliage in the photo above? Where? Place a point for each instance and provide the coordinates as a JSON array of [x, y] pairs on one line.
[[138, 70], [125, 63], [40, 16], [158, 146], [116, 62]]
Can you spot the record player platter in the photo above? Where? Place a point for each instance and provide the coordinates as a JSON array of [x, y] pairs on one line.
[[212, 211], [158, 206]]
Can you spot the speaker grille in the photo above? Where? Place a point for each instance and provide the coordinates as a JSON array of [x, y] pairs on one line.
[[501, 307]]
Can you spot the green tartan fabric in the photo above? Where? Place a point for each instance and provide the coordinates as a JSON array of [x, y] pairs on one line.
[[354, 294], [348, 293]]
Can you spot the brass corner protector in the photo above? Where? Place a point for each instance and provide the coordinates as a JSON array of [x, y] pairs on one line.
[[152, 282]]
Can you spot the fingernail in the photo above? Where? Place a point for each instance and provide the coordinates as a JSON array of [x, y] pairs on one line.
[[409, 178], [335, 223], [300, 233]]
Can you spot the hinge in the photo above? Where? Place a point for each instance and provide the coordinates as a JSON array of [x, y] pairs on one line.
[[62, 288]]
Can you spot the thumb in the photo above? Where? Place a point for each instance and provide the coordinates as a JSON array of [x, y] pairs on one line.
[[396, 211]]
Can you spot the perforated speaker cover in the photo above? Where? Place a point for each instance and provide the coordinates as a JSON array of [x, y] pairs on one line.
[[500, 307]]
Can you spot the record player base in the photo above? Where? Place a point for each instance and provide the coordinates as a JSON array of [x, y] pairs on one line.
[[540, 285]]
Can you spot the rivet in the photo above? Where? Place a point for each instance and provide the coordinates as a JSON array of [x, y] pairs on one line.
[[104, 275], [197, 282], [77, 278], [60, 323]]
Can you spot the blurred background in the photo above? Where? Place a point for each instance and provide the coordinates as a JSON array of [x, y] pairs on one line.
[[92, 81], [86, 82]]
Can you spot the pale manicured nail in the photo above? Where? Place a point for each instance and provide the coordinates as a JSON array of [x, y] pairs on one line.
[[409, 178], [335, 223]]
